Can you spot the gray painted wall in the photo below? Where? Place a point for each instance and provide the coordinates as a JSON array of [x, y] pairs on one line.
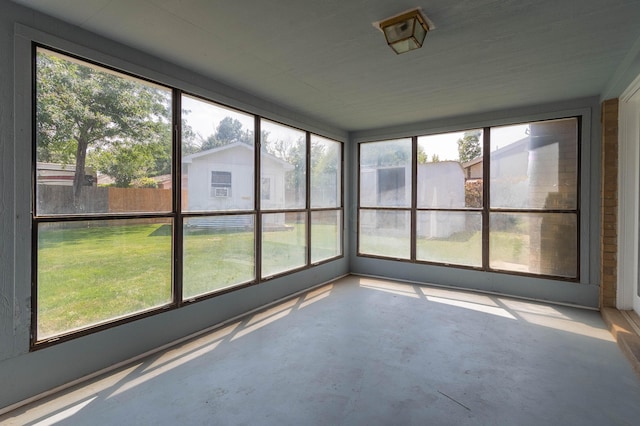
[[24, 374]]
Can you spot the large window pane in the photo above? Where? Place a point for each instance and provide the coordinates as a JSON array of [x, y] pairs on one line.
[[450, 170], [283, 167], [219, 252], [284, 242], [385, 173], [217, 157], [535, 165], [93, 271], [385, 233], [539, 243], [326, 235], [103, 140], [326, 163], [450, 237]]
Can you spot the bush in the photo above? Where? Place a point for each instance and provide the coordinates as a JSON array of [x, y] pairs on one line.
[[473, 193], [145, 182]]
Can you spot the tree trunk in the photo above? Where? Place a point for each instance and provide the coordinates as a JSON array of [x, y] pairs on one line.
[[78, 178]]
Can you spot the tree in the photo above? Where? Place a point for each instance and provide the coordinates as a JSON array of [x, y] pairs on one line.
[[384, 154], [469, 147], [324, 157], [81, 108], [229, 131], [127, 163], [422, 155], [294, 153], [190, 143]]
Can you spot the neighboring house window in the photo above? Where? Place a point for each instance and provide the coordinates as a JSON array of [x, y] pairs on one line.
[[220, 184], [265, 188], [391, 186], [517, 212]]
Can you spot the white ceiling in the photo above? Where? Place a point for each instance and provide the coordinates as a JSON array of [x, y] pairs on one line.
[[324, 59]]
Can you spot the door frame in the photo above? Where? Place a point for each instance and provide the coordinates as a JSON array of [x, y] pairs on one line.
[[628, 198]]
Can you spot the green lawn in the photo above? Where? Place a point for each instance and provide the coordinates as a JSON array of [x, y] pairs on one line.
[[283, 250], [325, 241], [459, 249], [215, 260], [508, 249], [90, 274], [379, 244]]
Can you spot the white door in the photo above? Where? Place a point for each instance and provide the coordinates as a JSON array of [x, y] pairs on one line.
[[629, 193]]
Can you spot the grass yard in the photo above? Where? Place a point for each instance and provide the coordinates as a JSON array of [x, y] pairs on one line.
[[325, 241], [215, 260], [385, 245], [508, 250], [93, 273], [464, 248], [283, 250]]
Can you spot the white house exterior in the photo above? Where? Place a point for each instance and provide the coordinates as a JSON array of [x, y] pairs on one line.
[[440, 185], [512, 168], [221, 179]]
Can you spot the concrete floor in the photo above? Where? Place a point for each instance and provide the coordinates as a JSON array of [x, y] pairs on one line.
[[364, 351]]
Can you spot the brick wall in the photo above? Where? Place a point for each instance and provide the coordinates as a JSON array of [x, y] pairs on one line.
[[609, 204], [552, 174]]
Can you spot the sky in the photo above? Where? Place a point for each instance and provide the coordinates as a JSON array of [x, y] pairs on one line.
[[445, 145], [203, 117]]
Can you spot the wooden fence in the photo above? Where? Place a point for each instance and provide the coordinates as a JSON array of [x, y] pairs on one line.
[[57, 199]]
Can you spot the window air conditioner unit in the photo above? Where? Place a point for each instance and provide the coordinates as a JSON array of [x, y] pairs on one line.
[[221, 192]]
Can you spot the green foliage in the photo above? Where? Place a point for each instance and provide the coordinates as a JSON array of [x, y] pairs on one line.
[[473, 193], [469, 147], [189, 137], [383, 154], [126, 163], [435, 158], [145, 182], [422, 156], [83, 108], [325, 159], [294, 153], [229, 131]]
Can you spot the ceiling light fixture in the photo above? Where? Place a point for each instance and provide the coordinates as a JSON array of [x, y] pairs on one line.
[[405, 31]]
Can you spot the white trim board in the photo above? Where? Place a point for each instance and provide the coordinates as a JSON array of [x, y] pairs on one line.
[[628, 197]]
